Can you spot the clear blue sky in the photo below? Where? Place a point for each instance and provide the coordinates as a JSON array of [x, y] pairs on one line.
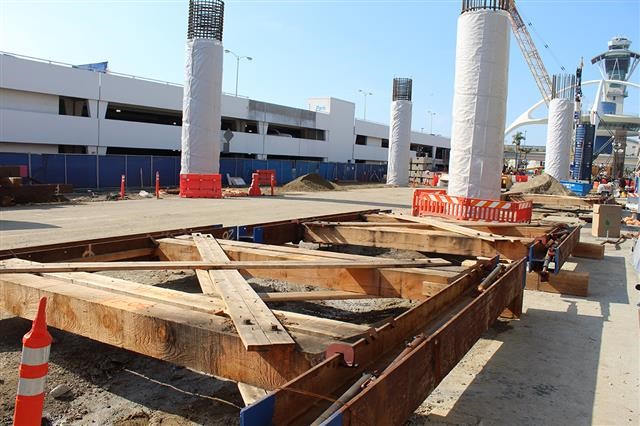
[[319, 47]]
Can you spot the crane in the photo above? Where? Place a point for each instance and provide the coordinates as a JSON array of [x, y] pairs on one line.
[[530, 53]]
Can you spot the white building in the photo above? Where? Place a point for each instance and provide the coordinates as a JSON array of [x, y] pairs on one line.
[[49, 107]]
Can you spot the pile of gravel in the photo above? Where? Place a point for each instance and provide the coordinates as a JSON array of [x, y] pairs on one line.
[[542, 184], [309, 182]]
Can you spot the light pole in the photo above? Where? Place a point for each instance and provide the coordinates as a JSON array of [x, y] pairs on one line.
[[238, 57], [431, 114], [365, 94]]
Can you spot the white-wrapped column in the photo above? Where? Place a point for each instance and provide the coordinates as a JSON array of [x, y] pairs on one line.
[[399, 143], [479, 104], [559, 130], [201, 107]]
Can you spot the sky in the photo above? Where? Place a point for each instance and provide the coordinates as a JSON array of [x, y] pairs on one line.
[[313, 48]]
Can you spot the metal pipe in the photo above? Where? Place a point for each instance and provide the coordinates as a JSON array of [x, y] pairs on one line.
[[344, 398], [490, 278]]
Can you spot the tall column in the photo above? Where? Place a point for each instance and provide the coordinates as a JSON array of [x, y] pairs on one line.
[[480, 99], [203, 88], [559, 127], [400, 133]]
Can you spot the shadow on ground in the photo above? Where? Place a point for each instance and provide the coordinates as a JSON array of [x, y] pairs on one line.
[[14, 225]]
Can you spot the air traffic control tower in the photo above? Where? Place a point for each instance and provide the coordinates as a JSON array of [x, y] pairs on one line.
[[617, 63]]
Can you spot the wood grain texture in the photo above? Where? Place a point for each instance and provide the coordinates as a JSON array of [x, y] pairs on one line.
[[255, 323]]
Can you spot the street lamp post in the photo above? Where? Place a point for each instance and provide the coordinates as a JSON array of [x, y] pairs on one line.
[[238, 57], [365, 94], [431, 114]]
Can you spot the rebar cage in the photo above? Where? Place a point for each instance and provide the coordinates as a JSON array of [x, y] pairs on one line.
[[402, 89], [468, 5], [205, 19]]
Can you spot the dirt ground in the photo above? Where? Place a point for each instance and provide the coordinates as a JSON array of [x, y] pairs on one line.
[[569, 360]]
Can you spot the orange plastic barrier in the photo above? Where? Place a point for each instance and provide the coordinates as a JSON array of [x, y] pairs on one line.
[[201, 185], [522, 178], [34, 366], [267, 177], [428, 202]]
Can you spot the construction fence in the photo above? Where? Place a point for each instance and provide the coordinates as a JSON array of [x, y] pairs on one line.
[[104, 171]]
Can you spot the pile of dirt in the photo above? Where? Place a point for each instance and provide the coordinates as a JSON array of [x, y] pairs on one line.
[[542, 184], [309, 182]]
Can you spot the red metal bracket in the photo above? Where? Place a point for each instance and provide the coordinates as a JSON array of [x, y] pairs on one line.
[[346, 350]]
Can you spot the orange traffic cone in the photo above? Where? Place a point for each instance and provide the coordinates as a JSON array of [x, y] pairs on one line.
[[34, 367], [254, 189]]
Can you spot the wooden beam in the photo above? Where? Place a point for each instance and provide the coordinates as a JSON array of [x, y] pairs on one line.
[[381, 282], [564, 282], [119, 255], [414, 239], [197, 340], [455, 228], [557, 200], [178, 265], [588, 250], [209, 253], [255, 323]]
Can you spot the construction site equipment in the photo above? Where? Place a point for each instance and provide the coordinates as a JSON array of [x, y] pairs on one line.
[[428, 203], [122, 186], [201, 185], [158, 185], [530, 53], [266, 178], [34, 366], [580, 188]]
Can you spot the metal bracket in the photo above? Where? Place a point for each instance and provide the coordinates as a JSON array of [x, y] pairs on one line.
[[347, 352]]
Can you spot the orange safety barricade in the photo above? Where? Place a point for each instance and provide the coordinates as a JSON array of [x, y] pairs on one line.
[[34, 366], [267, 178], [436, 203], [201, 185], [522, 178]]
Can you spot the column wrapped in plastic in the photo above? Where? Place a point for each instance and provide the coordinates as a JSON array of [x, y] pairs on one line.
[[399, 143], [479, 104], [201, 107], [559, 130]]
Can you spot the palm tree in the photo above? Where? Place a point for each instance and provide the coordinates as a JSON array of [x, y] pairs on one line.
[[517, 138]]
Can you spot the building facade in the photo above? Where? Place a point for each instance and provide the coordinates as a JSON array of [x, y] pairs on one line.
[[50, 108]]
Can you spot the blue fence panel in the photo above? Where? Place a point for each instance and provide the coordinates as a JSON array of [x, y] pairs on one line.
[[48, 168], [135, 163], [111, 168], [81, 171], [166, 167], [14, 159]]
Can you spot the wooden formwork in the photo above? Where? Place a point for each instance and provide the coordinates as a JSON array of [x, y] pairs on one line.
[[232, 331], [471, 239]]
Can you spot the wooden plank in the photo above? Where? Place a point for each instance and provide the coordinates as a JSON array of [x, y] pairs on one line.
[[382, 282], [208, 252], [322, 327], [178, 265], [154, 329], [414, 239], [251, 394], [455, 228], [256, 324], [119, 255], [564, 282], [565, 248], [557, 200], [588, 250], [295, 296]]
